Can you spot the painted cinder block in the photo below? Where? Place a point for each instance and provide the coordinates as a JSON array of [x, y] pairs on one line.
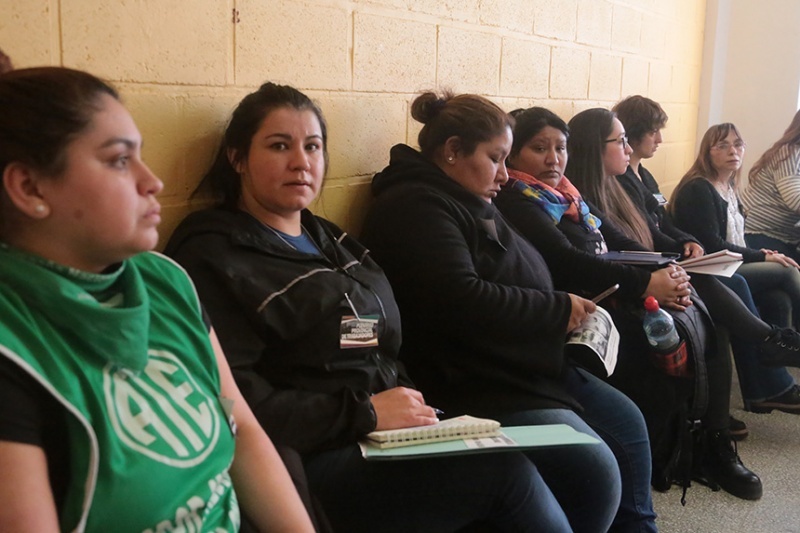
[[525, 68], [391, 54], [180, 42], [660, 81], [677, 160], [29, 32], [157, 115], [557, 20], [563, 108], [515, 15], [569, 73], [361, 130], [654, 34], [461, 10], [365, 60], [345, 202], [605, 77], [291, 42], [203, 118], [675, 130], [594, 23], [635, 76], [626, 29], [457, 67]]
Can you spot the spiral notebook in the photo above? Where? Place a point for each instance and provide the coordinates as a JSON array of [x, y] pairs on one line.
[[510, 439], [461, 427]]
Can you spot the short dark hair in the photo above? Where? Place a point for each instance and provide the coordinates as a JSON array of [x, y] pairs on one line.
[[43, 110], [472, 118], [245, 121], [640, 115]]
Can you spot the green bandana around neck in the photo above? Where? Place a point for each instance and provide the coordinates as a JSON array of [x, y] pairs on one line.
[[105, 314]]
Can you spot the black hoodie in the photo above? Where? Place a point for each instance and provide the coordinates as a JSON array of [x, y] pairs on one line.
[[483, 329]]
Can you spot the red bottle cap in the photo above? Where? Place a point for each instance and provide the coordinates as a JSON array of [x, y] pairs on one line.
[[651, 304]]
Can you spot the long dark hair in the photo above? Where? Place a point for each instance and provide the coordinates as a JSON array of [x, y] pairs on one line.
[[586, 171], [222, 177]]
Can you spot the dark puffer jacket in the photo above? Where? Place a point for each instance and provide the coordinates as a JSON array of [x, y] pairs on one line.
[[278, 312]]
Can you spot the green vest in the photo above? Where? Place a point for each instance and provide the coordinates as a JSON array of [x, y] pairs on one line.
[[129, 358]]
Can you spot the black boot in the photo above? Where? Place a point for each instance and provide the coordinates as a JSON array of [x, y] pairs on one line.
[[738, 428], [781, 348], [721, 464]]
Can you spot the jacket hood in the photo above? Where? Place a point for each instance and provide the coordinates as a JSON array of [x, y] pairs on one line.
[[408, 169], [215, 220], [406, 165]]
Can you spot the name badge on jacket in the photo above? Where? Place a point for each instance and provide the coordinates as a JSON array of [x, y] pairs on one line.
[[358, 332]]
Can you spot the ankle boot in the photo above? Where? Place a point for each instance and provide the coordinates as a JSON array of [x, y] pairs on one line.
[[781, 348], [721, 464]]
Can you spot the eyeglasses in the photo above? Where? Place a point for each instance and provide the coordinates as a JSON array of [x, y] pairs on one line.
[[622, 140], [724, 146]]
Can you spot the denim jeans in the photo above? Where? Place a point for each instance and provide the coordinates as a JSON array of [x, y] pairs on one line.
[[590, 486], [765, 280], [756, 381], [759, 241], [500, 491]]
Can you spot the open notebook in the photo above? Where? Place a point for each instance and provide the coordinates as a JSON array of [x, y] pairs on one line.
[[462, 427]]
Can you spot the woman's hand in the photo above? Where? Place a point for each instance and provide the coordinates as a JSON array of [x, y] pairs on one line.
[[670, 287], [691, 249], [402, 407], [776, 257], [581, 307]]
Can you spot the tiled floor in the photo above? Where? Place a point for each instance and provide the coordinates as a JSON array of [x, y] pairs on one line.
[[772, 451]]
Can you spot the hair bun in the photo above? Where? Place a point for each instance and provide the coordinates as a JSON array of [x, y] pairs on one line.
[[428, 105]]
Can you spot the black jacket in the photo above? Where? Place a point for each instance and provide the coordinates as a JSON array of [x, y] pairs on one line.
[[666, 236], [701, 211], [570, 258], [278, 312], [483, 329]]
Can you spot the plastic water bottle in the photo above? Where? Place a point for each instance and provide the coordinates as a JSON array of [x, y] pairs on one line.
[[659, 327]]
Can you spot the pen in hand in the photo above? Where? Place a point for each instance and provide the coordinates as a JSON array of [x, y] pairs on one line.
[[605, 293], [438, 412]]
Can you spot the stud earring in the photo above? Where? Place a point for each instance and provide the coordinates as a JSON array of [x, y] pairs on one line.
[[40, 209], [450, 159]]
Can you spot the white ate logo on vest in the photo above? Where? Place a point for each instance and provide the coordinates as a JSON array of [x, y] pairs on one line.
[[161, 412]]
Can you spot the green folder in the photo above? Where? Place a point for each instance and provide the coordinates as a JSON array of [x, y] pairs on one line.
[[523, 437]]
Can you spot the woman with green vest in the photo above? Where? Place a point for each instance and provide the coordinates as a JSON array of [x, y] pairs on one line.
[[118, 411]]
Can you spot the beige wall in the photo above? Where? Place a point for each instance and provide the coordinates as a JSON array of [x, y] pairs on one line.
[[182, 65], [752, 50]]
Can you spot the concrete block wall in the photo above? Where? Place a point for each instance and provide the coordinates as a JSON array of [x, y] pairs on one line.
[[182, 66]]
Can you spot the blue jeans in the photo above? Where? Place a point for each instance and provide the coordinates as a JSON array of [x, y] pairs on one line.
[[501, 491], [772, 285], [756, 381], [602, 486], [759, 241]]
